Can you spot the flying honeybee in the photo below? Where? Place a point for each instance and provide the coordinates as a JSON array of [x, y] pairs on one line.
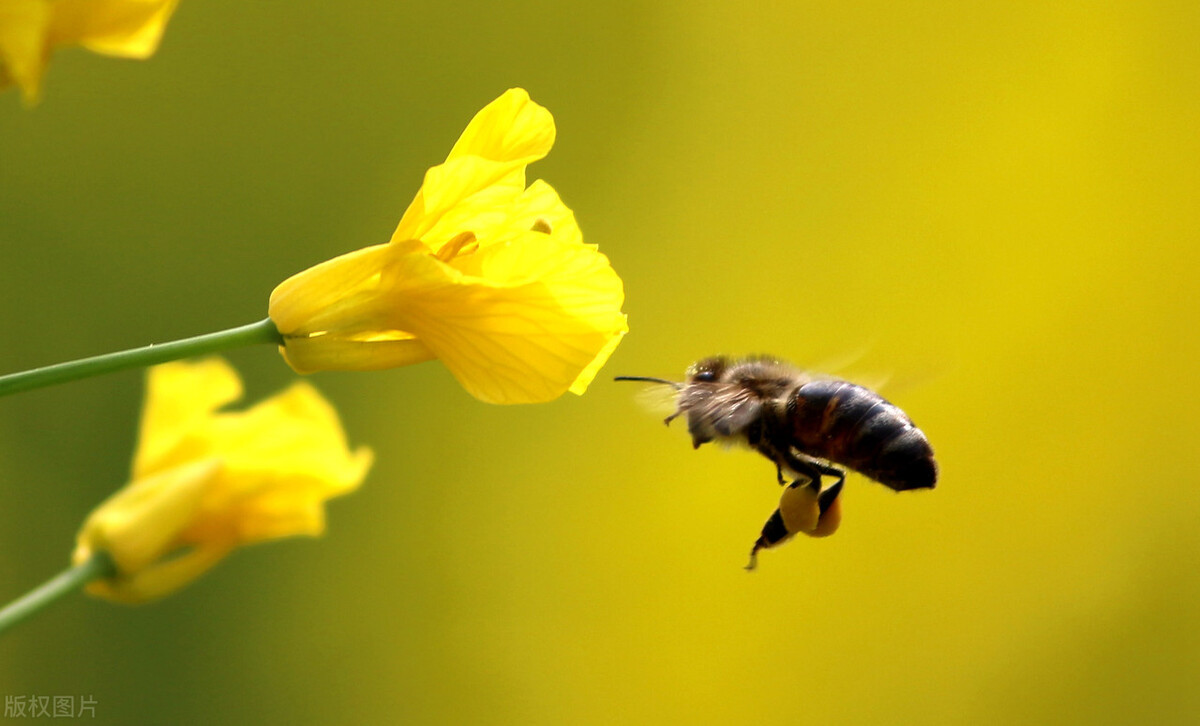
[[806, 426]]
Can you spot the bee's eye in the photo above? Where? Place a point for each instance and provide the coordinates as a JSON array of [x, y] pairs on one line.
[[706, 371]]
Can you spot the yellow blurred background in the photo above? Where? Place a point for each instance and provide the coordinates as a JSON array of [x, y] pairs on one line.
[[991, 205]]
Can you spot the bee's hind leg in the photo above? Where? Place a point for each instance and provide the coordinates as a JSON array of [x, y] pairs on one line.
[[825, 499], [809, 470], [838, 474]]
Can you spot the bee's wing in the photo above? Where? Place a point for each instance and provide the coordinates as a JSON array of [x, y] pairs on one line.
[[660, 399], [849, 367]]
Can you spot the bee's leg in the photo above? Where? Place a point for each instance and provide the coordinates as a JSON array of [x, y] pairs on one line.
[[772, 454], [833, 471], [753, 557], [804, 468], [773, 532], [808, 477], [826, 498]]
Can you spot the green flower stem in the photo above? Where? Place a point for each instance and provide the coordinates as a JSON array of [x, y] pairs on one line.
[[99, 566], [263, 331]]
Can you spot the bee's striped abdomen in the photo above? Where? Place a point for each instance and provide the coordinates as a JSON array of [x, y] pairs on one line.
[[855, 427]]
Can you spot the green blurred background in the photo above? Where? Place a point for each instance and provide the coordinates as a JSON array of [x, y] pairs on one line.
[[993, 206]]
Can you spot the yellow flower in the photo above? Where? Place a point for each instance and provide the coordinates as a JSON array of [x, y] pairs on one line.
[[482, 273], [206, 482], [30, 30]]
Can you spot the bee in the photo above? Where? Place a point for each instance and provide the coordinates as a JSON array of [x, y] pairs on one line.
[[808, 427]]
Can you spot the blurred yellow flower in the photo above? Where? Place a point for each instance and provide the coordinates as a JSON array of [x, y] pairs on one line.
[[206, 482], [30, 30], [482, 273]]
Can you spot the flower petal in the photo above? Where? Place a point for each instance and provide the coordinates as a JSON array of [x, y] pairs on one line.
[[306, 302], [498, 213], [23, 48], [580, 385], [339, 353], [160, 579], [179, 396], [136, 525], [491, 155], [511, 128], [519, 322], [460, 195], [124, 28], [305, 441], [540, 208]]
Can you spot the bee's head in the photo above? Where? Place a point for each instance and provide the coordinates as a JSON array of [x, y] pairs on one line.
[[707, 370]]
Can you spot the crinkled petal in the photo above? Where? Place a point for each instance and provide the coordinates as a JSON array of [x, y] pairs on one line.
[[461, 195], [253, 505], [179, 397], [499, 213], [494, 221], [515, 323], [504, 137], [540, 207], [511, 128], [294, 434], [124, 28], [267, 504]]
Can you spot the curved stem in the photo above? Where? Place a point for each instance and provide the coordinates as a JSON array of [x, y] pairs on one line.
[[263, 331], [100, 565]]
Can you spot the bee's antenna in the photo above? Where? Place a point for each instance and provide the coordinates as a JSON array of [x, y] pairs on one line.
[[647, 379]]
